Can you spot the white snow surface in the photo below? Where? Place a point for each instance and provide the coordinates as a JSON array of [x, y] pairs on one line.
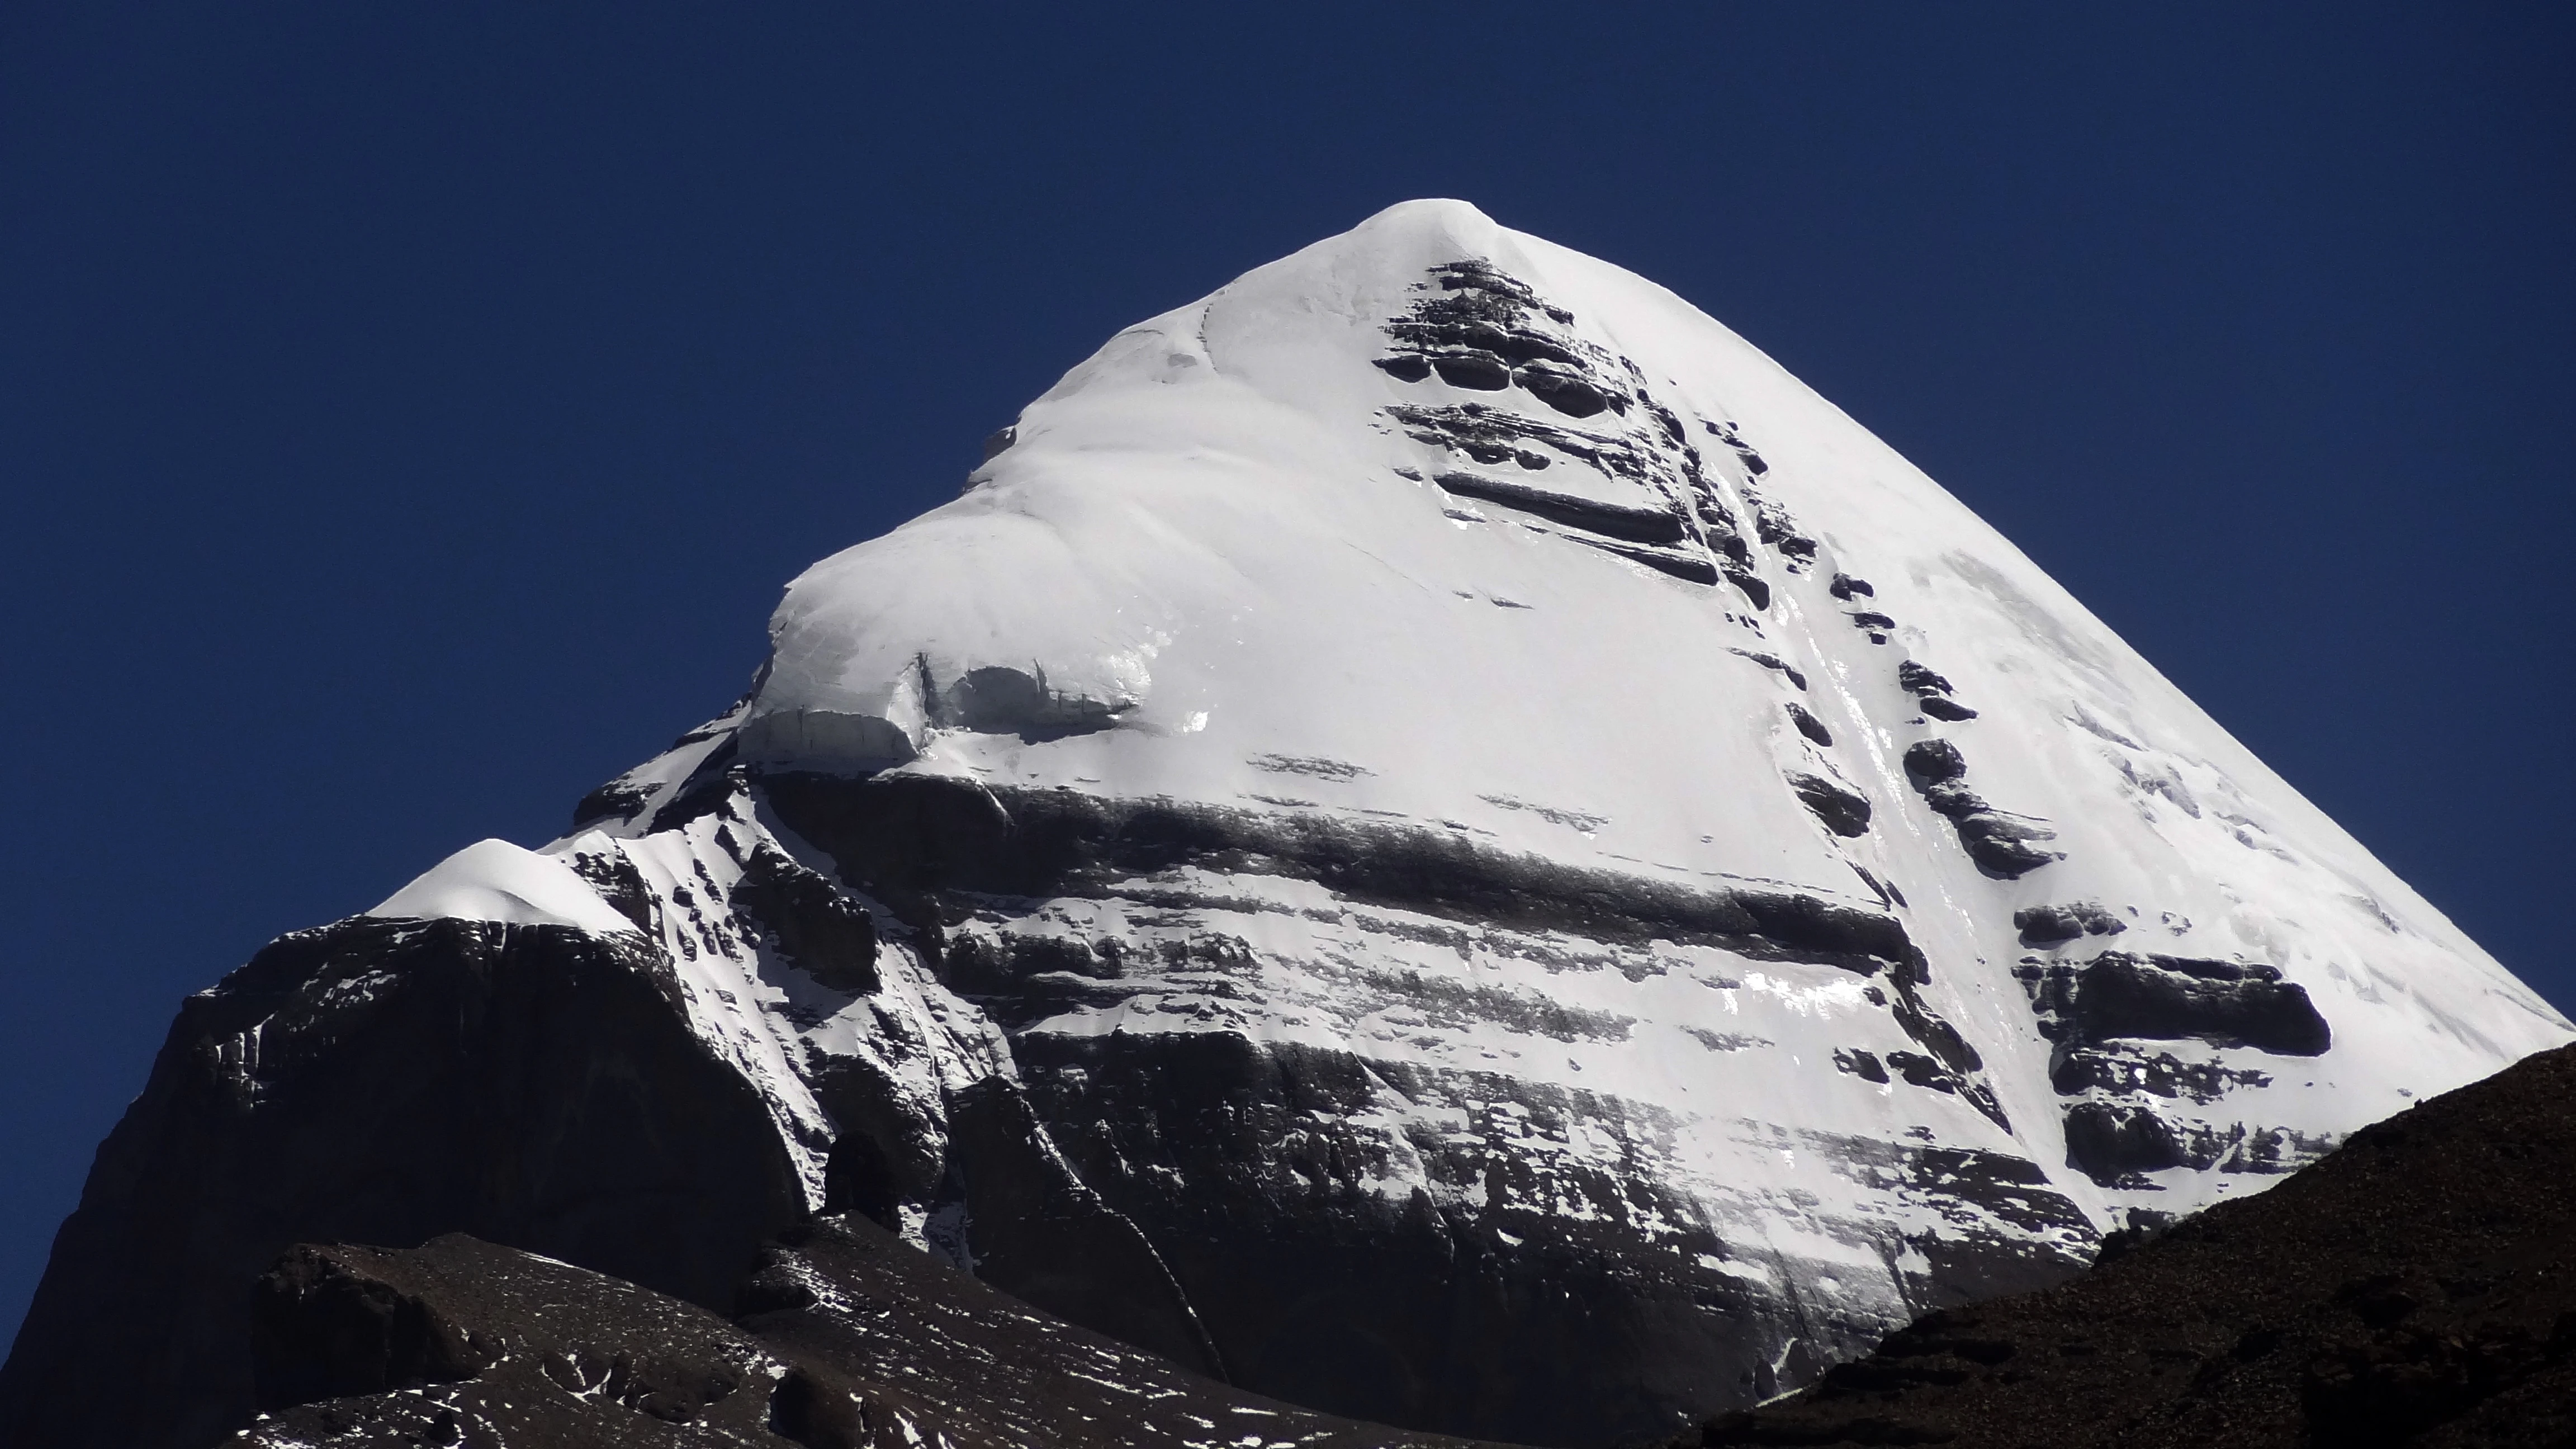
[[493, 880], [1207, 528], [1216, 564]]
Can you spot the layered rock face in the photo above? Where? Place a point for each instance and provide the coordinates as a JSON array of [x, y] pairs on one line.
[[1437, 838]]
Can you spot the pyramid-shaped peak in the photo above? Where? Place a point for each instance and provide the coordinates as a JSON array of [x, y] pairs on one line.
[[1443, 661], [1521, 551]]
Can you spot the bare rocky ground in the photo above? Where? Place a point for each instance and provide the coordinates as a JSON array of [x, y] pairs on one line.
[[847, 1339]]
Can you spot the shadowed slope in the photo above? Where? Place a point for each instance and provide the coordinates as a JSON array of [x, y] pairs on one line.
[[852, 1340], [2418, 1287]]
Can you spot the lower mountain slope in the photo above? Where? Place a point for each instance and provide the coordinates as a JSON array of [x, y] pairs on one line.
[[849, 1339], [386, 1081], [2416, 1288]]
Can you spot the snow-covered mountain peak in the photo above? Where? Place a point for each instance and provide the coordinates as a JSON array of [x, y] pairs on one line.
[[1442, 523], [1438, 771], [1432, 836]]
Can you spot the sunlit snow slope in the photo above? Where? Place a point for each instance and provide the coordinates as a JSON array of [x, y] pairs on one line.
[[1510, 868]]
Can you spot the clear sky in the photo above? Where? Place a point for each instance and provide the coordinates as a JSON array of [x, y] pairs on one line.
[[409, 412]]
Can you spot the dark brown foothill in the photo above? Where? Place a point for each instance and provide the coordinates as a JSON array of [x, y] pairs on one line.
[[2416, 1288]]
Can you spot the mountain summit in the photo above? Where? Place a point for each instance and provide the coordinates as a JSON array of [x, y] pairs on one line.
[[1433, 836]]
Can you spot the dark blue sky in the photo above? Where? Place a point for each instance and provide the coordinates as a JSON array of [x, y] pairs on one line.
[[409, 412]]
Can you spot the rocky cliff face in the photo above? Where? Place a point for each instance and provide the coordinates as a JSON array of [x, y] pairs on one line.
[[386, 1081], [1437, 838]]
